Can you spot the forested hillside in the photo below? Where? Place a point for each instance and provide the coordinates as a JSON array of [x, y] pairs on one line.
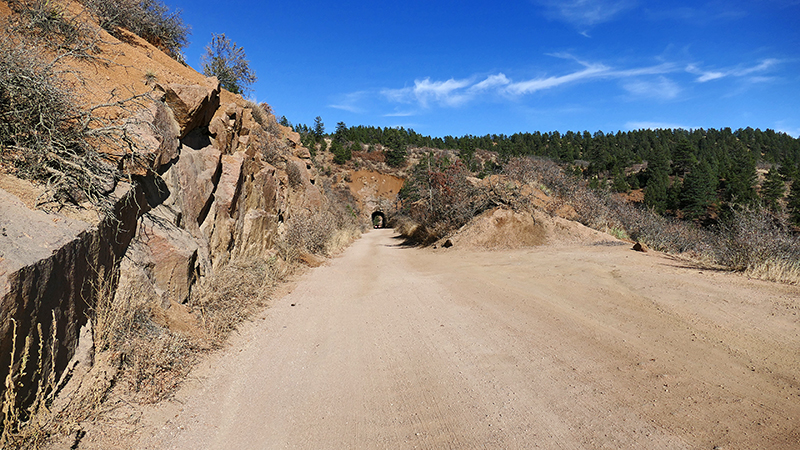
[[694, 174]]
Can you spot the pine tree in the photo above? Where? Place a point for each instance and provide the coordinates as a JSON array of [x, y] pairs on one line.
[[793, 203], [319, 127], [773, 189], [655, 193], [341, 153], [698, 192], [683, 158], [740, 177], [228, 62]]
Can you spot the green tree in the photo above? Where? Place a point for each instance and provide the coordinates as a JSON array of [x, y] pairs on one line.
[[655, 193], [740, 177], [341, 153], [319, 127], [698, 192], [773, 189], [228, 62], [341, 132], [684, 158], [793, 203], [396, 155]]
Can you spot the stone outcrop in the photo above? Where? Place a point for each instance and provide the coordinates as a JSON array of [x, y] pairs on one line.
[[203, 195], [52, 268]]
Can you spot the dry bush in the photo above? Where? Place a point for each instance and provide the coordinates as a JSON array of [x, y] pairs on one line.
[[43, 135], [272, 145], [150, 19], [327, 230], [232, 293], [439, 198], [294, 174], [264, 116], [48, 24], [759, 243], [155, 360], [754, 241]]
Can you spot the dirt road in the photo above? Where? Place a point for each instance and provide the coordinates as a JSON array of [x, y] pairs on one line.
[[578, 347]]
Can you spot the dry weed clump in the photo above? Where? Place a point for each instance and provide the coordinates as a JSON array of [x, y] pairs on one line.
[[439, 198], [232, 293], [154, 360], [754, 241], [326, 230], [759, 243], [150, 19], [43, 135]]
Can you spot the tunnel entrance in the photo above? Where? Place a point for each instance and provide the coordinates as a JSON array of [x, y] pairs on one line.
[[378, 219]]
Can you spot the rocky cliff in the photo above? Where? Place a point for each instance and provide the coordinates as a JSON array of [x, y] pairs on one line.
[[211, 179]]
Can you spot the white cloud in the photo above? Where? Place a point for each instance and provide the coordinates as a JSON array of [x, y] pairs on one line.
[[425, 92], [655, 126], [350, 102], [660, 88], [585, 13], [709, 75], [538, 84], [490, 82]]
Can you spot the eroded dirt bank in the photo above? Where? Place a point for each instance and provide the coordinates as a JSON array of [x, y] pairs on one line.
[[582, 346]]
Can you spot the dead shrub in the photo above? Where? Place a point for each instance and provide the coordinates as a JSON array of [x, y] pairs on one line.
[[439, 198], [273, 147], [294, 174], [754, 241], [328, 229], [760, 243], [45, 137], [232, 293], [155, 360], [150, 19]]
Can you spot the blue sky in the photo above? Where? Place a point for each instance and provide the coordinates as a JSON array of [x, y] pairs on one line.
[[481, 67]]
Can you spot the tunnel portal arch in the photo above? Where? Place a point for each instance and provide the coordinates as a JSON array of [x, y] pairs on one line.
[[379, 219]]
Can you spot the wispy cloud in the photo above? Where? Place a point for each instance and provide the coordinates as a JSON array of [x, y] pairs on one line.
[[585, 13], [426, 93], [705, 75], [665, 81], [350, 102], [537, 84], [655, 126], [660, 88]]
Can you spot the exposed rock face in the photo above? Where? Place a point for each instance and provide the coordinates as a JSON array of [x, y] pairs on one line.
[[156, 132], [375, 191], [51, 267], [193, 105], [203, 195]]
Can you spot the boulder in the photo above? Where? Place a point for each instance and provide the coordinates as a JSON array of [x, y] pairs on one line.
[[155, 132], [169, 254], [219, 225], [192, 181], [193, 105]]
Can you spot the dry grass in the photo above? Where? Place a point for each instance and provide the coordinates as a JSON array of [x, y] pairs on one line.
[[233, 293], [754, 241], [150, 19]]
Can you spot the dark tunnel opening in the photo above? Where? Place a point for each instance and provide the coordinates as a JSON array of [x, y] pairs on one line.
[[378, 219]]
